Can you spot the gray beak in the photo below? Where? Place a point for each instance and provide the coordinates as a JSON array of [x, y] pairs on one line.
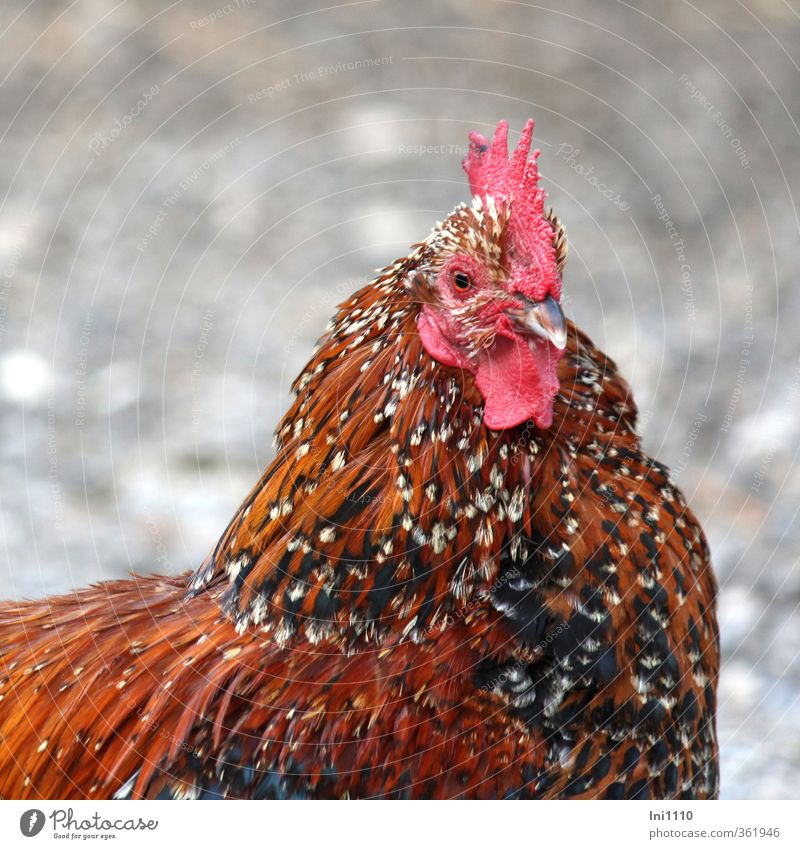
[[542, 318]]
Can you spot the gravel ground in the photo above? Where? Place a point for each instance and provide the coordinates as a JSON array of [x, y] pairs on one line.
[[189, 189]]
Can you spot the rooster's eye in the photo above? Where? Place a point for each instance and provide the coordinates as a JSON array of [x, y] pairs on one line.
[[461, 281]]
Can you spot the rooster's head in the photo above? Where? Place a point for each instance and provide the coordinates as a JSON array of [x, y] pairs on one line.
[[490, 285]]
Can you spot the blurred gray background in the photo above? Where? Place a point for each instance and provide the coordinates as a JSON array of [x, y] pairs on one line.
[[188, 189]]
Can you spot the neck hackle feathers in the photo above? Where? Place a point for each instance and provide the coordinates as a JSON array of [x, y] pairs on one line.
[[515, 181]]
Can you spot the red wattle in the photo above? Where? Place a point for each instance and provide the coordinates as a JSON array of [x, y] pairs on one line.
[[517, 379], [518, 382]]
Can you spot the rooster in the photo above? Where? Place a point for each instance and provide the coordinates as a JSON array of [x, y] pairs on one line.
[[460, 576]]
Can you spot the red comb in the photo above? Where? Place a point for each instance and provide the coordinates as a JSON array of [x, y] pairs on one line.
[[491, 173]]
